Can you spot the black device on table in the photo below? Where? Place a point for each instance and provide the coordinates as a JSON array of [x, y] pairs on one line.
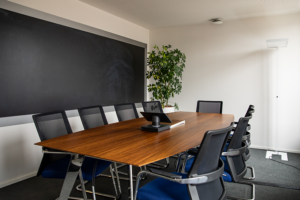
[[156, 118]]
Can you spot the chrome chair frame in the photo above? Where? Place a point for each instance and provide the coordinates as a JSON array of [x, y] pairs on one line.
[[80, 188], [123, 173], [246, 139]]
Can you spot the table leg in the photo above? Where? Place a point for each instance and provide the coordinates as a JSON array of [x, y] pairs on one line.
[[71, 176], [130, 182]]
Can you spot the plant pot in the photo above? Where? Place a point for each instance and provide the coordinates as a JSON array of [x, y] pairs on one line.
[[169, 109]]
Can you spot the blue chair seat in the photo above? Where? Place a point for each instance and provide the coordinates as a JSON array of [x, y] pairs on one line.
[[226, 175], [58, 168], [162, 189], [226, 147]]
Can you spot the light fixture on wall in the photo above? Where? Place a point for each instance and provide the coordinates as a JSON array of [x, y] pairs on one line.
[[216, 21], [277, 43]]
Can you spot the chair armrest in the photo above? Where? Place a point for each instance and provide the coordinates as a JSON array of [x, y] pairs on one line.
[[235, 152], [164, 173], [212, 175]]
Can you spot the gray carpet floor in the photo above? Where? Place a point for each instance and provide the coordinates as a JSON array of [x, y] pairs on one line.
[[267, 171]]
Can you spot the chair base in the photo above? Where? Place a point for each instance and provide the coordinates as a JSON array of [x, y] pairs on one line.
[[119, 172], [117, 187], [252, 172], [75, 198], [78, 188], [122, 173], [253, 191], [121, 178]]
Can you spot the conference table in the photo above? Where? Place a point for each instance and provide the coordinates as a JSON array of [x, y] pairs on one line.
[[125, 142]]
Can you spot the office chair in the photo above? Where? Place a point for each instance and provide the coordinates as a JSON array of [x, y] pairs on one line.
[[235, 166], [155, 107], [91, 117], [205, 107], [247, 140], [152, 106], [55, 163], [250, 109], [203, 181], [209, 106], [126, 111], [247, 136]]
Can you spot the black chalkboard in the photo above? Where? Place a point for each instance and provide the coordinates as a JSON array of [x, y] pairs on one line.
[[47, 67]]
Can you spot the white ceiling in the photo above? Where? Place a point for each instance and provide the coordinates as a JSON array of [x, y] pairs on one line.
[[153, 14]]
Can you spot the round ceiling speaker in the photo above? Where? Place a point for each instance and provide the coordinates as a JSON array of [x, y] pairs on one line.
[[217, 21]]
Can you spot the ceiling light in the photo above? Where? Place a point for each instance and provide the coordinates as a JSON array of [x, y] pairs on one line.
[[217, 21], [277, 43]]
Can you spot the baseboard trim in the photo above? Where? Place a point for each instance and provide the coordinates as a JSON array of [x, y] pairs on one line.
[[273, 149], [15, 180]]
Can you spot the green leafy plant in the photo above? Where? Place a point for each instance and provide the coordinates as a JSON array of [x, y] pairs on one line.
[[166, 67]]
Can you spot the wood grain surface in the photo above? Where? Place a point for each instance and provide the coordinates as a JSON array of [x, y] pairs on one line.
[[124, 142]]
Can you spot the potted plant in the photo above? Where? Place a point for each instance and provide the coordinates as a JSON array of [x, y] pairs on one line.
[[166, 67]]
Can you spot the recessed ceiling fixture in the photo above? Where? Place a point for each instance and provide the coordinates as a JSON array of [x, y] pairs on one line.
[[277, 43], [216, 21]]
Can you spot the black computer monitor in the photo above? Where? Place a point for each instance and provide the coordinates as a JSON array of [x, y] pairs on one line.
[[156, 118], [162, 116]]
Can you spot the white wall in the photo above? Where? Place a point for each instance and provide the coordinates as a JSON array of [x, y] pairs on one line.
[[19, 157], [78, 11], [230, 62]]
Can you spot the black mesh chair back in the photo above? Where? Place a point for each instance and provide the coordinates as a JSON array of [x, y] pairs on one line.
[[126, 111], [152, 106], [250, 110], [209, 106], [51, 125], [237, 163], [248, 113], [92, 116], [208, 160]]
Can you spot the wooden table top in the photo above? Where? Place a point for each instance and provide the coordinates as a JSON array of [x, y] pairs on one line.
[[124, 142]]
